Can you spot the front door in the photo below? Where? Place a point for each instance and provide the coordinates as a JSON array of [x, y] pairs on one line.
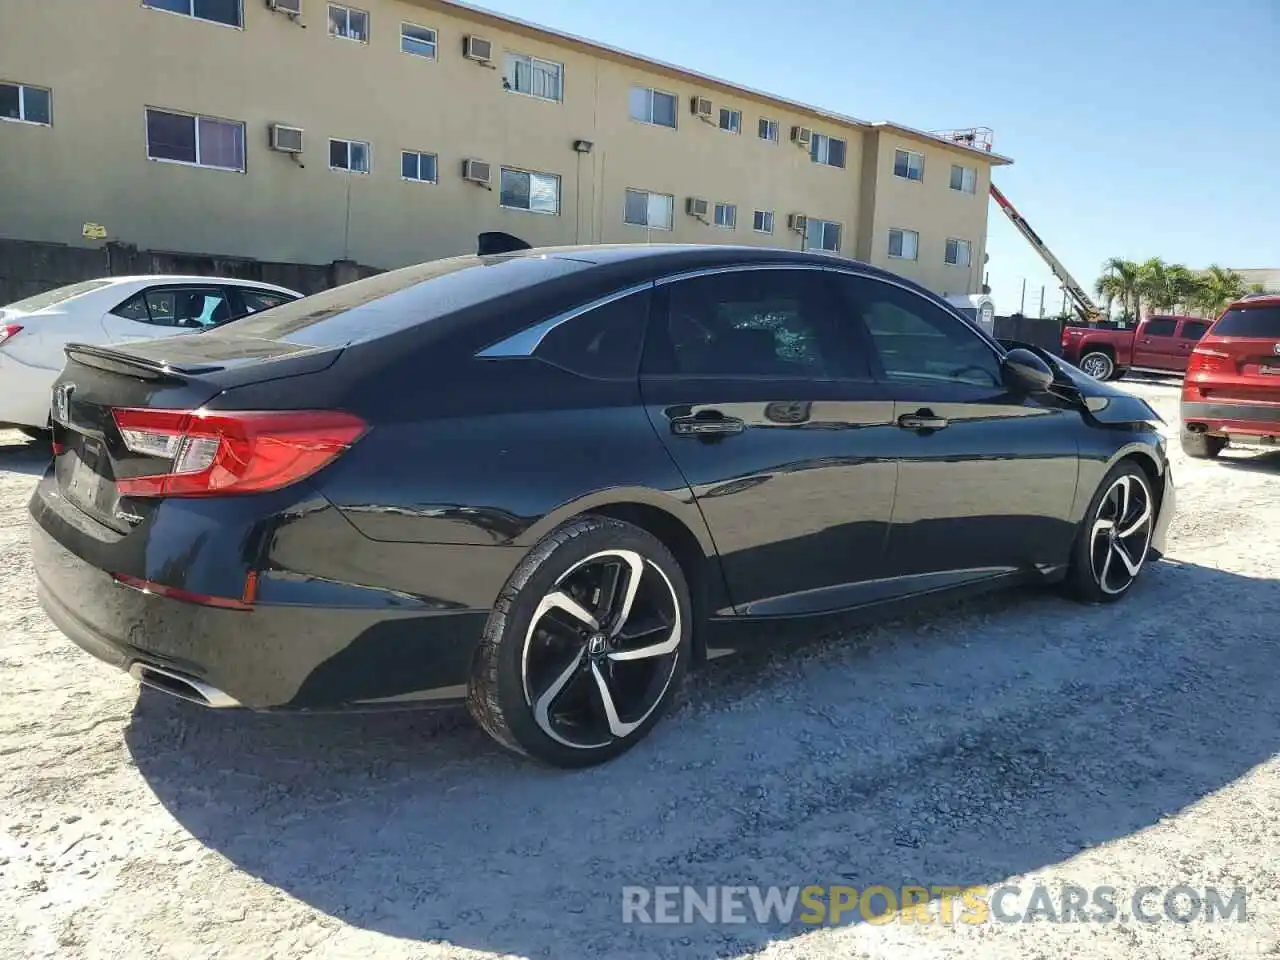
[[767, 409], [986, 479]]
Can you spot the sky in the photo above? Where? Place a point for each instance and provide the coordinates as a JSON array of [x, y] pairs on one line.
[[1138, 128]]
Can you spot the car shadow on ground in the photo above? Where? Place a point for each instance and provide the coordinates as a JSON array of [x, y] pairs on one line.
[[19, 454], [1245, 458], [957, 747]]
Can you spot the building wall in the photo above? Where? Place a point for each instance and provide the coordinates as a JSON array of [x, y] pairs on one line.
[[105, 62]]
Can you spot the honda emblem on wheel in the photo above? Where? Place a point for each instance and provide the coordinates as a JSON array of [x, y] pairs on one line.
[[62, 402]]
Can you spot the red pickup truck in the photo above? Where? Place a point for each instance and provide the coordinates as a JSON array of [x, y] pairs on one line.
[[1159, 344]]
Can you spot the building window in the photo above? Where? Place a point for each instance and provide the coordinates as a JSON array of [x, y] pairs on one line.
[[964, 179], [822, 235], [533, 77], [762, 222], [768, 130], [350, 155], [908, 164], [828, 150], [730, 120], [525, 190], [652, 210], [726, 215], [957, 253], [903, 244], [348, 23], [418, 166], [215, 11], [18, 101], [200, 141], [653, 106], [418, 41]]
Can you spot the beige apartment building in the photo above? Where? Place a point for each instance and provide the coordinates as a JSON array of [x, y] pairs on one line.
[[389, 132]]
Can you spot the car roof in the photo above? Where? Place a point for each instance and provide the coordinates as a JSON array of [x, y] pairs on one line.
[[1254, 299], [184, 278]]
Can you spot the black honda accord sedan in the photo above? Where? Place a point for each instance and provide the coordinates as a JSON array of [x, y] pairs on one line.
[[546, 483]]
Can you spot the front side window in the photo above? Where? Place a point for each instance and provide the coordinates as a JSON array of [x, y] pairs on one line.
[[822, 235], [349, 155], [768, 130], [1160, 327], [903, 244], [726, 215], [21, 101], [957, 253], [201, 141], [964, 179], [753, 323], [762, 222], [418, 166], [908, 164], [827, 150], [348, 23], [216, 11], [653, 106], [533, 77], [418, 41], [730, 120], [645, 209], [603, 343], [918, 341], [525, 190]]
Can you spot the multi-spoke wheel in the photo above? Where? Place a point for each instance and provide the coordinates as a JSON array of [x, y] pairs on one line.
[[1098, 365], [1116, 535], [586, 646]]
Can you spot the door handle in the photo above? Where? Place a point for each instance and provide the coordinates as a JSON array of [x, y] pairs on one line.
[[922, 420], [707, 424]]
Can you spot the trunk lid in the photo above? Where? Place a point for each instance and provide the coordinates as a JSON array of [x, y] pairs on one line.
[[179, 373]]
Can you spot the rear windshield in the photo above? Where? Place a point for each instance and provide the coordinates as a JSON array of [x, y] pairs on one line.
[[395, 300], [51, 298], [1260, 321]]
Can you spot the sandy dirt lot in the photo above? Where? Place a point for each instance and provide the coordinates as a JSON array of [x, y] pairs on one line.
[[1020, 739]]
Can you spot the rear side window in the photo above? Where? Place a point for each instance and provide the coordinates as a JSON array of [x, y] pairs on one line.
[[1260, 321], [1162, 327], [603, 343], [135, 308], [399, 299], [1193, 329]]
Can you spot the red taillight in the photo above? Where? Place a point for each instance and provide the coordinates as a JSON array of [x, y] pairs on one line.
[[216, 452], [8, 330], [1206, 360]]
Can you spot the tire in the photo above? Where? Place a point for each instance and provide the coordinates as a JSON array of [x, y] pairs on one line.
[[1098, 573], [1099, 365], [540, 674], [1202, 446]]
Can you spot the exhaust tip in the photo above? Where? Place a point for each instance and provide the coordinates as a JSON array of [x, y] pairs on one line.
[[183, 687]]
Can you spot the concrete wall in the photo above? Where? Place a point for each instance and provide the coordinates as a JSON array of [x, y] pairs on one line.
[[106, 61]]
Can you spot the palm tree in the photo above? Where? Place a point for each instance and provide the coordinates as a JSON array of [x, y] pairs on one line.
[[1183, 287], [1119, 280], [1257, 288], [1218, 287]]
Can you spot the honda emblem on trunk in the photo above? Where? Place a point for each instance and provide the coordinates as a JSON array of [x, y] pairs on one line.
[[62, 402]]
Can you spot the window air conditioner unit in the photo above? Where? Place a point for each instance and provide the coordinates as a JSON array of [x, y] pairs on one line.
[[697, 207], [290, 8], [476, 171], [701, 107], [801, 136], [797, 222], [477, 48], [286, 139]]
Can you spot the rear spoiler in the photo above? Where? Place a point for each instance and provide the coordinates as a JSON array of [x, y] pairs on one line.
[[126, 364]]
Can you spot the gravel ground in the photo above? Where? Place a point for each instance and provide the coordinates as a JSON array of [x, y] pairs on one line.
[[1017, 739]]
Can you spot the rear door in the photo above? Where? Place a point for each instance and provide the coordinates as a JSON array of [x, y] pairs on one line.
[[1190, 332], [1155, 346], [986, 479], [163, 311], [753, 381]]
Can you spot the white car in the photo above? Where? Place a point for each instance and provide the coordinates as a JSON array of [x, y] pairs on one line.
[[111, 310]]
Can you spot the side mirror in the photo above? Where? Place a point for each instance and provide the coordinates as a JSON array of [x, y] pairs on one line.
[[1024, 372]]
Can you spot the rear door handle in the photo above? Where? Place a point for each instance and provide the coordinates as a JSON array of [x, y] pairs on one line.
[[922, 420], [708, 424]]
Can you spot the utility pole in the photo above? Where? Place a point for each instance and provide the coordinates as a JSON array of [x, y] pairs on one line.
[[1042, 301], [1022, 301]]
